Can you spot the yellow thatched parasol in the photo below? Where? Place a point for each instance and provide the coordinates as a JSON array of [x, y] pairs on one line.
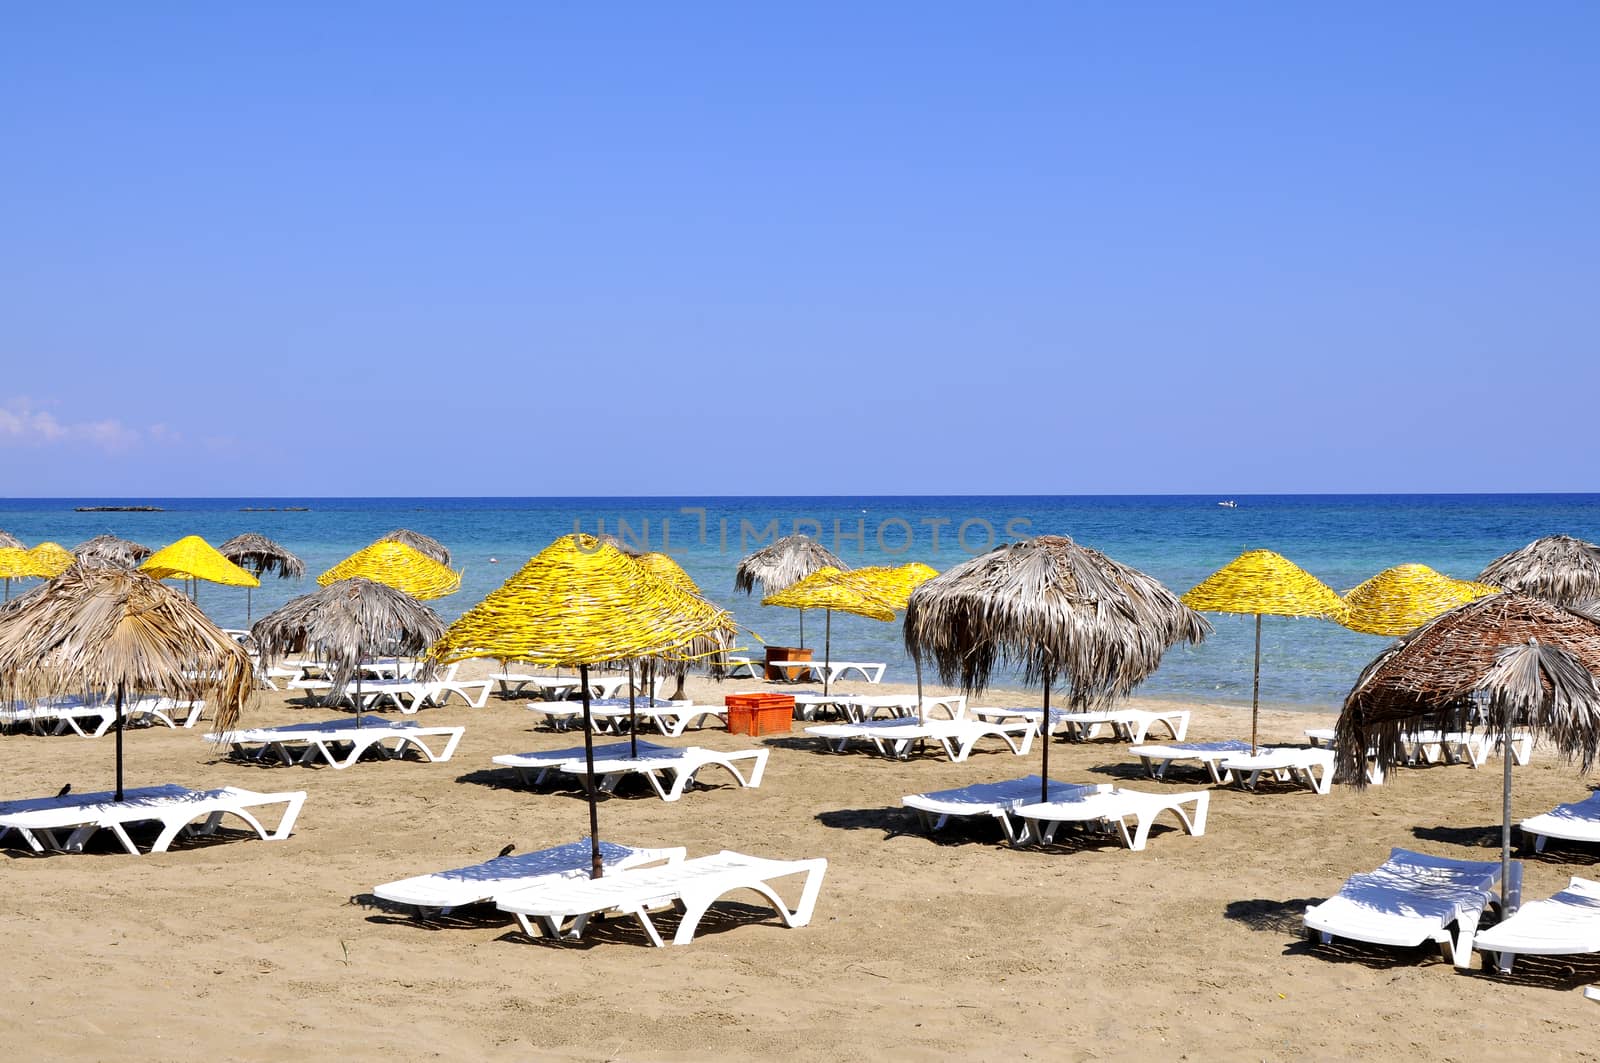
[[192, 558], [894, 585], [1401, 599], [1264, 583], [579, 602], [399, 566], [52, 559], [829, 589], [17, 563], [665, 568]]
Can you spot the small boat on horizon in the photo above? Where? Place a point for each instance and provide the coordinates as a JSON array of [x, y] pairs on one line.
[[1230, 503]]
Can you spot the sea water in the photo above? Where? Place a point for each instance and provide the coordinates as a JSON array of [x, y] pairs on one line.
[[1341, 539]]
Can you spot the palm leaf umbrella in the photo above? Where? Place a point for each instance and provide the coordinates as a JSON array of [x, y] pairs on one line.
[[783, 564], [579, 602], [1398, 600], [425, 545], [1264, 583], [192, 558], [9, 541], [345, 623], [829, 589], [259, 555], [110, 550], [1558, 567], [398, 565], [114, 631], [1054, 609], [1521, 661], [51, 559]]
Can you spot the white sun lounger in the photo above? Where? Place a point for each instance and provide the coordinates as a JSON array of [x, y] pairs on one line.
[[1411, 899], [553, 687], [1308, 766], [1041, 820], [563, 909], [1323, 738], [337, 743], [671, 718], [41, 821], [481, 883], [1575, 822], [832, 671], [1158, 758], [898, 737], [167, 711], [1563, 925], [61, 716], [1466, 747], [992, 800], [1128, 725], [668, 769]]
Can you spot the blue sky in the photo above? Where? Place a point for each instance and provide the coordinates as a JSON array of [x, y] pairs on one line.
[[526, 249]]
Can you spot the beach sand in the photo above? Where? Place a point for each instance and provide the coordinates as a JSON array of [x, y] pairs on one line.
[[920, 948]]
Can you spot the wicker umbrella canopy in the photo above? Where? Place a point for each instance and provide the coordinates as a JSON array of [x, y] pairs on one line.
[[1055, 609], [1264, 583], [16, 563], [425, 545], [1516, 660], [1400, 599], [830, 589], [1558, 567], [665, 568], [119, 631], [110, 550], [346, 622], [577, 602], [782, 565], [192, 558], [398, 565], [51, 559], [9, 541], [895, 584]]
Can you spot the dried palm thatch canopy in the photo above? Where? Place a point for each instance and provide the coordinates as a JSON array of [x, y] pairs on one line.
[[10, 542], [193, 558], [1053, 609], [261, 556], [1559, 568], [346, 622], [783, 564], [1400, 599], [425, 545], [118, 632], [51, 559], [110, 550], [400, 566]]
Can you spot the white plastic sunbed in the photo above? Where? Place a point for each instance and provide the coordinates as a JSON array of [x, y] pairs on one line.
[[992, 800], [1308, 766], [1466, 747], [1129, 725], [1411, 899], [443, 891], [1158, 758], [1563, 925], [553, 687], [671, 718], [61, 716], [563, 909], [338, 743], [833, 671], [1117, 806], [1575, 822], [668, 769], [898, 737], [41, 821], [1323, 738]]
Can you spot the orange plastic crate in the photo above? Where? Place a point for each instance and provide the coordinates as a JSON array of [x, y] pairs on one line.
[[760, 714]]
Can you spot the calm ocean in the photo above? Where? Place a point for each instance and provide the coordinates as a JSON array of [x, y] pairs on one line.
[[1342, 539]]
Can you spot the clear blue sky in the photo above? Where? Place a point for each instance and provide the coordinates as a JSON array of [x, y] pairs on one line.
[[529, 248]]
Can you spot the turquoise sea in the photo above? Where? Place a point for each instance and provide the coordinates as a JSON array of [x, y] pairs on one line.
[[1342, 539]]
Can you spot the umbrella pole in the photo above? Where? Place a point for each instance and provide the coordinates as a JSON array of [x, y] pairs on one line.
[[588, 758], [1255, 689], [1044, 733], [916, 659], [802, 629], [247, 607], [633, 717], [827, 651], [1505, 822], [118, 796]]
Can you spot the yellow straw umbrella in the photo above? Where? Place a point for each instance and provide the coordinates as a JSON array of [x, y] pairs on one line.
[[828, 589], [398, 566], [895, 585], [576, 603], [1401, 599], [192, 558], [1264, 583], [52, 559], [16, 563], [665, 568]]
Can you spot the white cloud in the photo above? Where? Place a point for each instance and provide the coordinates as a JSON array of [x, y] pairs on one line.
[[24, 423]]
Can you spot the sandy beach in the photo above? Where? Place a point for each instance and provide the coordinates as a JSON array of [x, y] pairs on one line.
[[921, 948]]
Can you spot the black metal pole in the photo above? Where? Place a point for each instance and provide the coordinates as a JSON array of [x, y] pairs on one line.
[[118, 796], [827, 652], [633, 717], [1044, 733], [1505, 822], [595, 870], [1255, 689]]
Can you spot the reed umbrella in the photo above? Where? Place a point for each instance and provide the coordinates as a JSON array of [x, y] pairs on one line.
[[343, 624], [1052, 608], [579, 602], [895, 585], [783, 564], [115, 630], [710, 648], [259, 555], [51, 559], [1559, 568], [9, 541], [1401, 599], [829, 589], [110, 550], [193, 559], [1520, 661], [1264, 583], [398, 565], [16, 563], [425, 545]]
